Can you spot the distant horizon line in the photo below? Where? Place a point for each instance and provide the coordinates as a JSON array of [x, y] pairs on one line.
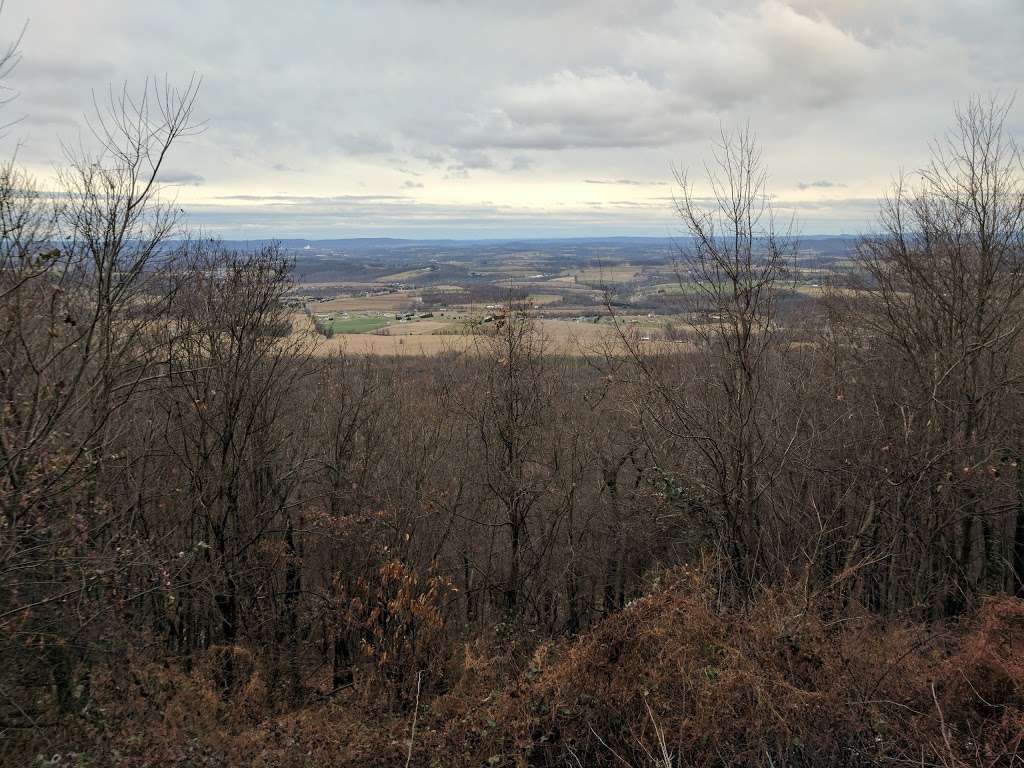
[[509, 239]]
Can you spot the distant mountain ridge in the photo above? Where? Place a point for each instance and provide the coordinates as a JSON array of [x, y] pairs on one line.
[[385, 243]]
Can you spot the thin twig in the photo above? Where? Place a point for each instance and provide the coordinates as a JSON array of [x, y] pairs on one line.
[[415, 714]]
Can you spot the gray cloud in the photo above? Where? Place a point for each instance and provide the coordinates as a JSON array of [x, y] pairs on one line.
[[363, 216], [406, 217], [466, 161], [625, 182], [484, 97], [306, 199], [400, 167], [363, 143], [434, 159], [181, 178], [520, 163], [476, 160], [819, 184]]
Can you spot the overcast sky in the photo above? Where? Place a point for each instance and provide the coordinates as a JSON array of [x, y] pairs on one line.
[[479, 118]]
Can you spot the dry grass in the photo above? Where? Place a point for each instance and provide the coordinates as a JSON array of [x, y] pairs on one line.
[[389, 302], [676, 678], [338, 285], [438, 336], [544, 298], [618, 273], [402, 277], [422, 328], [401, 345]]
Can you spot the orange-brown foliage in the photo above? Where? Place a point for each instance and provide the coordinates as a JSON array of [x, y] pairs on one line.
[[777, 683]]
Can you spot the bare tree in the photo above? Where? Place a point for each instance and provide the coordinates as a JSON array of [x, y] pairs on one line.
[[938, 309], [231, 366], [717, 404], [84, 286], [506, 400]]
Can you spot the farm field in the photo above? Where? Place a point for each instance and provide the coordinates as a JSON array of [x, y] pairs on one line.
[[356, 324], [388, 302], [423, 328], [400, 345], [433, 337], [460, 288], [404, 277], [617, 273], [544, 298]]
